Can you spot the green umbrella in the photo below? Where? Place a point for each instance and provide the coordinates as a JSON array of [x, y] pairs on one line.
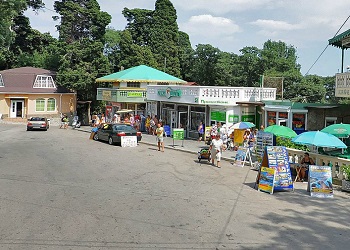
[[339, 130], [281, 131]]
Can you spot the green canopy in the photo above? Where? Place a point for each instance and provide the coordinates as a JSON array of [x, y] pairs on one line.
[[340, 130], [140, 73]]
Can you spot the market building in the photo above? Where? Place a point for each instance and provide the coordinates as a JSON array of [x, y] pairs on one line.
[[186, 106], [128, 88]]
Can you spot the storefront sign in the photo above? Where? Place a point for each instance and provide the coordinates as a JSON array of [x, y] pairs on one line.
[[169, 92], [218, 116], [266, 180], [106, 95], [132, 94], [213, 102], [248, 118], [233, 118]]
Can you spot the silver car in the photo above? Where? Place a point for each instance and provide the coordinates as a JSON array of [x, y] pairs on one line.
[[38, 123]]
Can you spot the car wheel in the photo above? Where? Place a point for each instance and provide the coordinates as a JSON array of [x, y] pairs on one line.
[[110, 141], [96, 137]]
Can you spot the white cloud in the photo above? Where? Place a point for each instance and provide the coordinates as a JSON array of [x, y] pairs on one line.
[[208, 25], [274, 25]]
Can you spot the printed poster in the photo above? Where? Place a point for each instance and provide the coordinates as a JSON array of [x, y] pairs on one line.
[[266, 180], [241, 156], [128, 141], [278, 159], [320, 181]]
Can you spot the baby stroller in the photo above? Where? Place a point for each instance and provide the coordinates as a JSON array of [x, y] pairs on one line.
[[204, 154]]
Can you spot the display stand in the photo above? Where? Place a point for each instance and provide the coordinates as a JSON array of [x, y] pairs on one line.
[[320, 181], [266, 180], [178, 134], [242, 155], [276, 157], [263, 139]]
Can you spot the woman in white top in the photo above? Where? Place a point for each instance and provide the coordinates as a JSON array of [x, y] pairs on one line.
[[216, 149]]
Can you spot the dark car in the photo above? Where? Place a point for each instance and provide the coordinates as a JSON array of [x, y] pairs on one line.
[[38, 123], [113, 132]]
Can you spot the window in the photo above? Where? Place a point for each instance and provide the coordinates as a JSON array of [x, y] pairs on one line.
[[40, 105], [43, 81], [133, 84], [51, 104], [330, 121], [1, 81]]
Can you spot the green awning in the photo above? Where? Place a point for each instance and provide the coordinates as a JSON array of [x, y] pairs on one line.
[[338, 40], [140, 73]]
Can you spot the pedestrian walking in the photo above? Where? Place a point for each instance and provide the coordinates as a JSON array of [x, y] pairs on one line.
[[215, 148], [200, 131]]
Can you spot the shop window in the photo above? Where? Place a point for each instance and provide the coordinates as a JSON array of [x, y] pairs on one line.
[[51, 104], [330, 121], [133, 84], [271, 118], [298, 122], [283, 115], [43, 81], [40, 105], [196, 118], [1, 81]]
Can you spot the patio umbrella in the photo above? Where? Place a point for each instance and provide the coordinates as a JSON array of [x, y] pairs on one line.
[[124, 111], [339, 130], [243, 125], [319, 139], [281, 131]]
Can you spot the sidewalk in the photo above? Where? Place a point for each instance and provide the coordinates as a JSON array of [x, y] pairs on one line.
[[187, 145]]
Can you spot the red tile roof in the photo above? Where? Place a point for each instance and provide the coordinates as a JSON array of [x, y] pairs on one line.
[[21, 80]]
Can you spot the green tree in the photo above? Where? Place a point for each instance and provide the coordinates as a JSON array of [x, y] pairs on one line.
[[10, 9], [164, 37], [249, 67], [224, 69], [310, 89], [81, 36], [186, 56], [205, 60]]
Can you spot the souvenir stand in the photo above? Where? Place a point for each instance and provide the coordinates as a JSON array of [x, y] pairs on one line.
[[276, 157]]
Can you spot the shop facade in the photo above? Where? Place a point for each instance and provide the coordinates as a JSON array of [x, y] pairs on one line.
[[187, 106], [286, 113]]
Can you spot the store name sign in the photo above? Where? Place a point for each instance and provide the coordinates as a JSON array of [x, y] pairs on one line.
[[106, 95], [135, 94], [214, 102], [169, 92]]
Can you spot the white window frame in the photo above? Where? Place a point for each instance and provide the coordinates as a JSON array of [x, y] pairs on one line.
[[44, 81], [1, 81], [47, 104], [43, 99]]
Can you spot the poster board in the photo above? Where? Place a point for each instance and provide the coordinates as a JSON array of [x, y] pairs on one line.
[[266, 180], [238, 136], [242, 155], [320, 181], [128, 141], [276, 157], [207, 133]]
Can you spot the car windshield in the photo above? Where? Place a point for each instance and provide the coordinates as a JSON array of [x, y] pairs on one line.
[[37, 119], [123, 127]]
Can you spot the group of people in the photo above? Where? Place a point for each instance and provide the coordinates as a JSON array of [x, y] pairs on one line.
[[137, 121], [151, 124], [64, 121]]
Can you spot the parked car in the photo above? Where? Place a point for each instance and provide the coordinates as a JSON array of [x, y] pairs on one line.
[[38, 123], [113, 132]]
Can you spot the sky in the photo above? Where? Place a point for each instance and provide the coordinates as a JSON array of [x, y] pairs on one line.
[[231, 25]]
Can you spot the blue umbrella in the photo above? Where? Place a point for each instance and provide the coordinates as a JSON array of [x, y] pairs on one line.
[[319, 139], [243, 125]]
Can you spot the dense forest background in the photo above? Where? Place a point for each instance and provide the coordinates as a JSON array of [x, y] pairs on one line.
[[87, 48]]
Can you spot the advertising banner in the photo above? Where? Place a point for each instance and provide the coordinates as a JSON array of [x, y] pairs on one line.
[[266, 180], [320, 181], [178, 134], [128, 141]]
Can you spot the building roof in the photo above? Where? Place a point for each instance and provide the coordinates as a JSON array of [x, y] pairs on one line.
[[341, 41], [140, 73], [21, 80]]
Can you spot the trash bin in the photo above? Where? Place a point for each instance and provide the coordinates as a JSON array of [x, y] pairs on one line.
[[167, 130]]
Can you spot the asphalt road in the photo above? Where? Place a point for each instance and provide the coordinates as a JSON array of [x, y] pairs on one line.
[[60, 190]]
